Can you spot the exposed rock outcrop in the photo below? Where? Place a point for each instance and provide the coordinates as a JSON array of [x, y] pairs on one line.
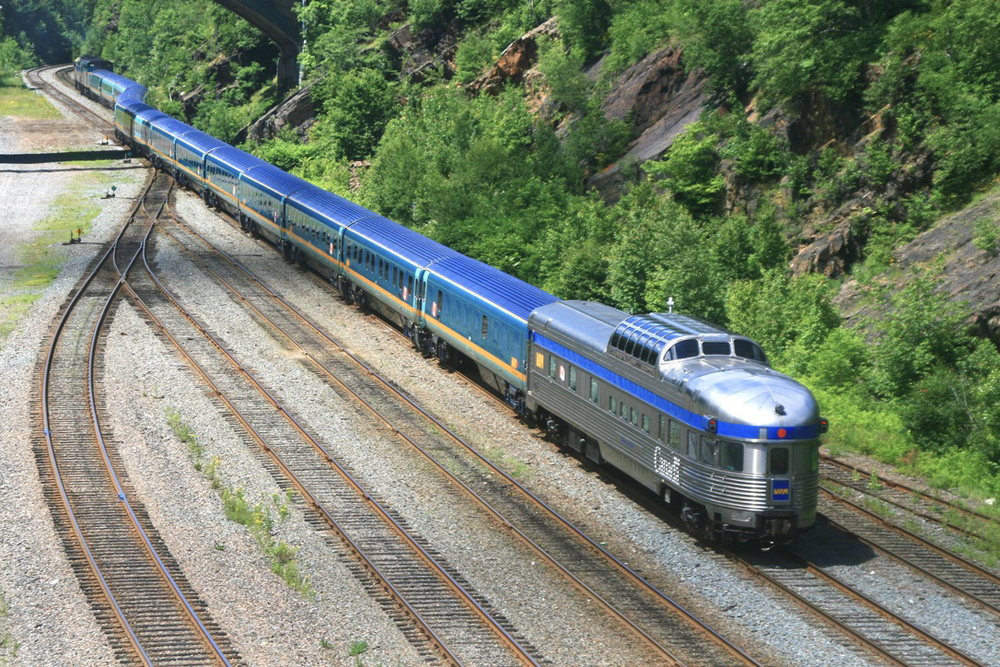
[[298, 112], [967, 273], [418, 56], [515, 61], [661, 98]]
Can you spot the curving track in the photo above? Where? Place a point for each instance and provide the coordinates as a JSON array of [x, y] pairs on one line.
[[136, 589]]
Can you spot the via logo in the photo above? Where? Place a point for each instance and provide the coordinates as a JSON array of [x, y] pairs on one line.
[[781, 489]]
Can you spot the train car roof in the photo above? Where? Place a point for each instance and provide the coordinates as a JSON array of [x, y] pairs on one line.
[[398, 239], [513, 295], [275, 179], [588, 322], [134, 94], [329, 206], [170, 125], [115, 79], [135, 107], [199, 141], [149, 114], [236, 159]]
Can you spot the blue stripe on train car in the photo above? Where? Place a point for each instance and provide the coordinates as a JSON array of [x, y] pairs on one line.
[[725, 429]]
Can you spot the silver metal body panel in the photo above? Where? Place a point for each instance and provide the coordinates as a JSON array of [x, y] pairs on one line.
[[743, 393]]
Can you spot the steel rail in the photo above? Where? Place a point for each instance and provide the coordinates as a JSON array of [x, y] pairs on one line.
[[946, 505], [877, 646], [972, 568], [53, 459], [122, 496], [608, 607], [522, 654], [537, 502]]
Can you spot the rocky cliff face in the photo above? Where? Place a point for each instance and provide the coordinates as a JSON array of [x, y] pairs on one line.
[[297, 112], [661, 98], [968, 274]]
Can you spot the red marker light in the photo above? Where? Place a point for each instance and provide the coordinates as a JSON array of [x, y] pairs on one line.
[[782, 433], [713, 426]]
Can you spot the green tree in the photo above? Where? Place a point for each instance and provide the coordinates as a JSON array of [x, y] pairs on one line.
[[806, 45], [691, 170], [356, 113]]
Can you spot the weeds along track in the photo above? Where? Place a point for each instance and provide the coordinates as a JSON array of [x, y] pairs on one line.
[[671, 633], [962, 521], [136, 589], [436, 609], [948, 569]]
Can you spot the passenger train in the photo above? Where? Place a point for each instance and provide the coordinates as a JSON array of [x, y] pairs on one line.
[[689, 410]]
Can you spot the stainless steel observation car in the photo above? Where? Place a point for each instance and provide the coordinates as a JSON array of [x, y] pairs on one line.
[[689, 410]]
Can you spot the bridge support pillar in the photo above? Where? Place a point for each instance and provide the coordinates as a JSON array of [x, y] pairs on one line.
[[288, 70]]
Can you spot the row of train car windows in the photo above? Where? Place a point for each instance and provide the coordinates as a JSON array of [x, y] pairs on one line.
[[383, 269], [689, 348], [718, 453]]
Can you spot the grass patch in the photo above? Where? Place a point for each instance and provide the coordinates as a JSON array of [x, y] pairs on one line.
[[259, 518], [8, 645], [514, 467], [355, 651], [18, 101], [42, 259]]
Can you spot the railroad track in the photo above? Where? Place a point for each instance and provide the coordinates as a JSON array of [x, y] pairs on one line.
[[136, 589], [955, 518], [870, 624], [36, 80], [948, 569], [443, 616], [669, 630]]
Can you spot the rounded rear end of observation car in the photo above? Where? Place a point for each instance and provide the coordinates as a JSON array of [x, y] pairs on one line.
[[689, 410]]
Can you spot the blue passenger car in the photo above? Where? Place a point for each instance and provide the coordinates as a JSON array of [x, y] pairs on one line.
[[306, 214], [190, 150], [163, 134], [262, 192], [483, 313], [223, 168], [384, 265]]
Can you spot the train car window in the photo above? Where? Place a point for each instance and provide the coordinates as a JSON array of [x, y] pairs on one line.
[[572, 378], [684, 349], [661, 432], [706, 453], [692, 450], [748, 350], [395, 277], [593, 390], [440, 303], [552, 367], [616, 340], [634, 416], [623, 411], [630, 345], [486, 325], [731, 456], [612, 404], [717, 347], [647, 350], [779, 461], [409, 283], [674, 439], [645, 423]]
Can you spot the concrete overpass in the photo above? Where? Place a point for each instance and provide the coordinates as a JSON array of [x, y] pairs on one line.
[[275, 19]]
